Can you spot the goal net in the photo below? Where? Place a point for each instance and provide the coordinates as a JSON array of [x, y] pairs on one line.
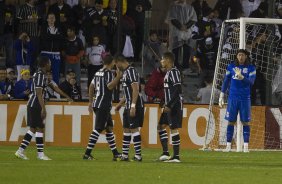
[[260, 38]]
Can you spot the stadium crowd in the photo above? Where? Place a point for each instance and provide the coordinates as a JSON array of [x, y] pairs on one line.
[[75, 34]]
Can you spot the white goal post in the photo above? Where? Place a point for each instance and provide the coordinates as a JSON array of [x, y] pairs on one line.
[[257, 35]]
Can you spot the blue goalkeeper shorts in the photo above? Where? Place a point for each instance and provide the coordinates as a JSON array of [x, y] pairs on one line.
[[238, 106]]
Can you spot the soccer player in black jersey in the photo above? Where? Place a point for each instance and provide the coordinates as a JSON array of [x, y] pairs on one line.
[[103, 84], [173, 108], [36, 111], [134, 109]]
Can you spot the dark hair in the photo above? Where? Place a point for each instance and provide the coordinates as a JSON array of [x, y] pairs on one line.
[[42, 61], [72, 28], [246, 53], [108, 59], [120, 58], [153, 32], [170, 56], [208, 79], [51, 13]]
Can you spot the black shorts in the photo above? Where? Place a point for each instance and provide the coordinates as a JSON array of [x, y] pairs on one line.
[[174, 117], [34, 119], [103, 119], [163, 119], [133, 122]]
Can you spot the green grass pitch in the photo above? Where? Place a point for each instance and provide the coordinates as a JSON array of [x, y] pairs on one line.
[[200, 167]]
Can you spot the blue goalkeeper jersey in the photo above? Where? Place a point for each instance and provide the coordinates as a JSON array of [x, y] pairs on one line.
[[239, 89]]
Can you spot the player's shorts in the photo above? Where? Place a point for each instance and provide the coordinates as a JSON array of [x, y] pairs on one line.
[[238, 106], [34, 119], [174, 117], [163, 119], [103, 119], [133, 122]]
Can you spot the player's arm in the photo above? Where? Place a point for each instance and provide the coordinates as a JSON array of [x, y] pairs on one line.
[[91, 95], [225, 85], [111, 85], [58, 90], [251, 78], [120, 104]]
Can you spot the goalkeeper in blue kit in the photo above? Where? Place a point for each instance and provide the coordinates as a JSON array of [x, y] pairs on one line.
[[240, 76]]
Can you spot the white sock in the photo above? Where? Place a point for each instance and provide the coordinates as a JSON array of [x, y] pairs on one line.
[[228, 145]]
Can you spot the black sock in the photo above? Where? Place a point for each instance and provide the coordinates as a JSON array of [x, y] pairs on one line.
[[176, 144], [39, 142], [126, 143], [137, 143], [92, 141], [26, 140], [112, 143], [164, 141]]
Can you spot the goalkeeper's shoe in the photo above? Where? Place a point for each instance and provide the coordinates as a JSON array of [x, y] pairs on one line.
[[88, 157], [43, 157], [21, 155], [246, 148], [164, 157], [228, 147], [173, 160]]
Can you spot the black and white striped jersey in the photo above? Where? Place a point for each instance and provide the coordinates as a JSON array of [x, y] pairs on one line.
[[39, 81], [171, 80], [103, 96], [130, 75], [27, 12]]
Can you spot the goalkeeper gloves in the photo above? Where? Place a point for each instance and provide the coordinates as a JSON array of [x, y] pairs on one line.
[[238, 74], [221, 100]]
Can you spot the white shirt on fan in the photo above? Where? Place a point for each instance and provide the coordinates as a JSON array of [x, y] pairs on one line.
[[94, 54]]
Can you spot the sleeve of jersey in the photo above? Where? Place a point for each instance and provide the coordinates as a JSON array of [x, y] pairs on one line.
[[227, 79], [175, 77], [133, 76], [252, 76], [39, 80], [109, 77]]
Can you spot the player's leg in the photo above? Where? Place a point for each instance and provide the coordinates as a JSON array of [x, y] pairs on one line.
[[100, 121], [163, 123], [40, 143], [111, 138], [175, 122], [126, 136], [28, 136], [231, 117], [245, 117], [135, 124]]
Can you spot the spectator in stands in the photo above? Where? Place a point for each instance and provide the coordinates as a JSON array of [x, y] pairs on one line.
[[52, 89], [63, 15], [204, 94], [249, 6], [29, 20], [95, 60], [261, 11], [200, 6], [142, 90], [23, 86], [95, 23], [70, 87], [79, 14], [136, 10], [73, 51], [11, 78], [6, 91], [24, 57], [154, 88], [233, 6], [153, 50], [207, 52], [7, 30], [112, 16], [181, 17], [51, 40]]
